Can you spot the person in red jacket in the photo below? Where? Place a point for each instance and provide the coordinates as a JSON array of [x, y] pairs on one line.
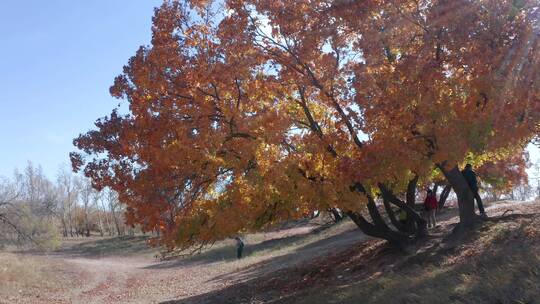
[[430, 204]]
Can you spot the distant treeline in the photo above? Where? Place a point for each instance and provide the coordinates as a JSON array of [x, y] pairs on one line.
[[37, 210]]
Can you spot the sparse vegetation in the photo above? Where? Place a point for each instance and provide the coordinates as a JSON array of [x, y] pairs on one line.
[[25, 278], [36, 212], [498, 263]]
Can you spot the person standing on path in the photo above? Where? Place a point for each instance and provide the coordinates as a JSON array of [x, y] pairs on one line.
[[470, 177], [430, 205], [239, 247]]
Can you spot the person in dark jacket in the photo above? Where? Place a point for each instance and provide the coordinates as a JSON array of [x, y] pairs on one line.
[[470, 177], [239, 247]]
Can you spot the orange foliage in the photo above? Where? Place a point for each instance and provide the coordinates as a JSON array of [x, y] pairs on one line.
[[505, 174], [247, 113]]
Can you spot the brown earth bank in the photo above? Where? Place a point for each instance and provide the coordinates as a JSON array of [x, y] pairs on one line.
[[498, 262]]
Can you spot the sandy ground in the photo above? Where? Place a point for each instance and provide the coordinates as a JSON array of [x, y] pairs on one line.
[[89, 279], [78, 274]]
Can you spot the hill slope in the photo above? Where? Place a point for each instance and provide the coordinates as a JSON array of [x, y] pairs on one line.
[[497, 263]]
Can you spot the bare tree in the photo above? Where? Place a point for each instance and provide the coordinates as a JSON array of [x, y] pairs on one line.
[[86, 193], [96, 198], [8, 196], [68, 190], [115, 208], [27, 208]]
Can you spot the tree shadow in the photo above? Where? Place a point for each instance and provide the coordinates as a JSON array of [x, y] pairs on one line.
[[513, 217], [437, 247], [505, 270], [227, 252], [304, 254], [372, 272], [258, 281], [118, 246]]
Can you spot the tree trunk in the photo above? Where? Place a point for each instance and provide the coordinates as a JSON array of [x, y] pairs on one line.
[[419, 225], [395, 239], [378, 228], [70, 220], [107, 220], [411, 191], [100, 221], [411, 202], [118, 231], [115, 217], [464, 194], [64, 226], [444, 196], [392, 216], [86, 223], [336, 214], [116, 222]]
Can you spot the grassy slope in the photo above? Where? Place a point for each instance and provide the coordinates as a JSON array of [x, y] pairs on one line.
[[115, 246], [23, 278], [497, 263], [500, 263]]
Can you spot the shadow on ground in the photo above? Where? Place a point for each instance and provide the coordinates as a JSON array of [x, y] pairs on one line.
[[227, 253], [267, 280], [496, 263], [118, 246]]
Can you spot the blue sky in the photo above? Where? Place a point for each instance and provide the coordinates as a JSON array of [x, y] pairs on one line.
[[58, 59]]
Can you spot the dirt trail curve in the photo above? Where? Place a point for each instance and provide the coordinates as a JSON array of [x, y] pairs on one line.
[[137, 279], [95, 274]]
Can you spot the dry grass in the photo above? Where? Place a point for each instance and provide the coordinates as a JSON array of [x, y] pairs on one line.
[[24, 279], [499, 263], [95, 247], [124, 270], [266, 245]]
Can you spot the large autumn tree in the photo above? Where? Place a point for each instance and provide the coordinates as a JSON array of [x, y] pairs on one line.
[[427, 82], [247, 113]]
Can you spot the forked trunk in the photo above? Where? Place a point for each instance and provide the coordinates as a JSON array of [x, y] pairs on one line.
[[416, 224], [396, 239], [378, 228], [464, 194], [392, 216], [336, 214]]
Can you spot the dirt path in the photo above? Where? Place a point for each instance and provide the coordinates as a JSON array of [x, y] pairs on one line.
[[124, 271], [128, 280], [120, 271], [101, 278]]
